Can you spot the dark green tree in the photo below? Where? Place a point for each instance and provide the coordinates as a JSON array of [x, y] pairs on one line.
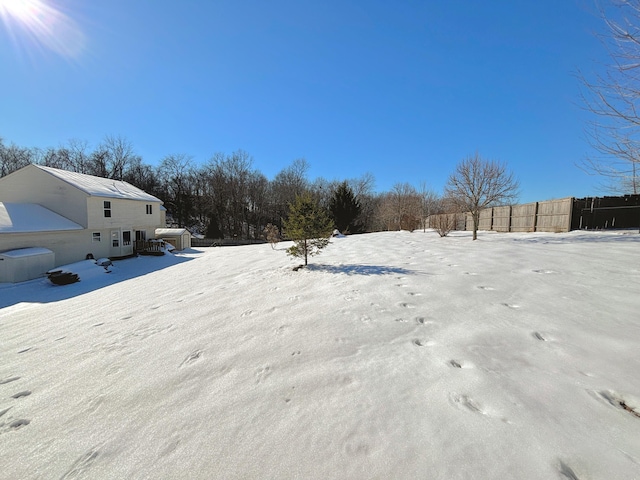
[[345, 208], [309, 226]]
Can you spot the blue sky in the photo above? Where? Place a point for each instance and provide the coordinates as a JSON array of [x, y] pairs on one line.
[[403, 90]]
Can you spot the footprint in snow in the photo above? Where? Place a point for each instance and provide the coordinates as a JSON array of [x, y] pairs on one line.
[[511, 306], [263, 373], [24, 393], [539, 336], [9, 380], [625, 403], [193, 356]]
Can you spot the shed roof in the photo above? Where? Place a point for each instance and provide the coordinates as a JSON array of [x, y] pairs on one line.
[[100, 187], [171, 231], [26, 252], [30, 217]]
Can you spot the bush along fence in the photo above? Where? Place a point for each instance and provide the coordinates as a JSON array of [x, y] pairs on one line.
[[558, 216]]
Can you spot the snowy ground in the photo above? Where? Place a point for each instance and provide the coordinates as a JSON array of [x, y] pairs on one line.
[[394, 356]]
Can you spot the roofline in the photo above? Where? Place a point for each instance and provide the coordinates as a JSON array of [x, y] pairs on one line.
[[40, 167]]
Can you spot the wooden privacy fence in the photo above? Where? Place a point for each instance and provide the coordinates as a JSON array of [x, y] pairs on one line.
[[549, 216]]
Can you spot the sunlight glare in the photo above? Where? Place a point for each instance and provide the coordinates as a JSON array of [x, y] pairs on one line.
[[43, 25]]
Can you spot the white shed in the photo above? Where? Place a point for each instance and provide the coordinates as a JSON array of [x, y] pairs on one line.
[[25, 264], [180, 238]]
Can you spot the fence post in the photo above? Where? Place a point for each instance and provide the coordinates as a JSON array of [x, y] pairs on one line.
[[535, 217]]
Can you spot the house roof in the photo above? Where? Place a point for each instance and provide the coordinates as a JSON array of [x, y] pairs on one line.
[[100, 187], [30, 217]]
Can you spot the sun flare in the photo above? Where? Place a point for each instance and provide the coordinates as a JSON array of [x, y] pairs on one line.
[[37, 23]]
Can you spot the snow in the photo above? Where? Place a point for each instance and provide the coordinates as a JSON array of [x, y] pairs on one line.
[[100, 187], [394, 355], [30, 217]]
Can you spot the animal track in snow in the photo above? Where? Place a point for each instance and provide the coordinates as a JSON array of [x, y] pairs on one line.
[[415, 294], [193, 356], [246, 313], [511, 306], [463, 401], [9, 380], [539, 336], [544, 272], [622, 402], [484, 287], [281, 329], [24, 393], [21, 422], [263, 373], [422, 343], [406, 305], [460, 364], [566, 471]]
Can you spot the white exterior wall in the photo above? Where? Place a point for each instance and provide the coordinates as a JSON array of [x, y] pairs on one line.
[[129, 214], [20, 268], [68, 247], [32, 185]]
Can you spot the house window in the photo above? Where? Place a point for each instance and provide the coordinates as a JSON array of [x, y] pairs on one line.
[[126, 238], [115, 239], [141, 235], [96, 236], [107, 208], [149, 209]]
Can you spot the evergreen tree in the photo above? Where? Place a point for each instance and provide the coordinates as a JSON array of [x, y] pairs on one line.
[[344, 208], [309, 226]]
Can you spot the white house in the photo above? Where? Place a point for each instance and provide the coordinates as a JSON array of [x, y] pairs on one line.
[[73, 214]]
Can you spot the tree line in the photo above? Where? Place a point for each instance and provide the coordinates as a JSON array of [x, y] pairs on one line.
[[227, 197]]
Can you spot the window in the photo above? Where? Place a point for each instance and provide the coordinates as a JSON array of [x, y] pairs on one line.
[[141, 235], [126, 238], [149, 209], [96, 236], [115, 239], [107, 208]]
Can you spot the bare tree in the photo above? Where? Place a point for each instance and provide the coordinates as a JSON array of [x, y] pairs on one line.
[[176, 174], [13, 158], [477, 184], [613, 98], [428, 203]]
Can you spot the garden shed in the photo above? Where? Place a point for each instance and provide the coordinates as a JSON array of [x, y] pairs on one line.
[[25, 263], [180, 238]]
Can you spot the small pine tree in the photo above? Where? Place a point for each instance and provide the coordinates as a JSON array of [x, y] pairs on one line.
[[309, 226], [344, 208]]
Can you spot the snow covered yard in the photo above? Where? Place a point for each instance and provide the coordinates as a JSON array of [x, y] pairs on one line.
[[394, 355]]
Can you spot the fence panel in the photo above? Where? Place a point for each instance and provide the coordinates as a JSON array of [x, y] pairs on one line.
[[554, 215], [523, 217], [484, 222], [501, 219]]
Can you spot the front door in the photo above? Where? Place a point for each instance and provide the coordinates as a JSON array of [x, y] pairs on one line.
[[127, 244]]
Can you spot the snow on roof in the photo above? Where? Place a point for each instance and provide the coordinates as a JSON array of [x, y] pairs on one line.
[[171, 231], [30, 217], [26, 252], [100, 187]]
